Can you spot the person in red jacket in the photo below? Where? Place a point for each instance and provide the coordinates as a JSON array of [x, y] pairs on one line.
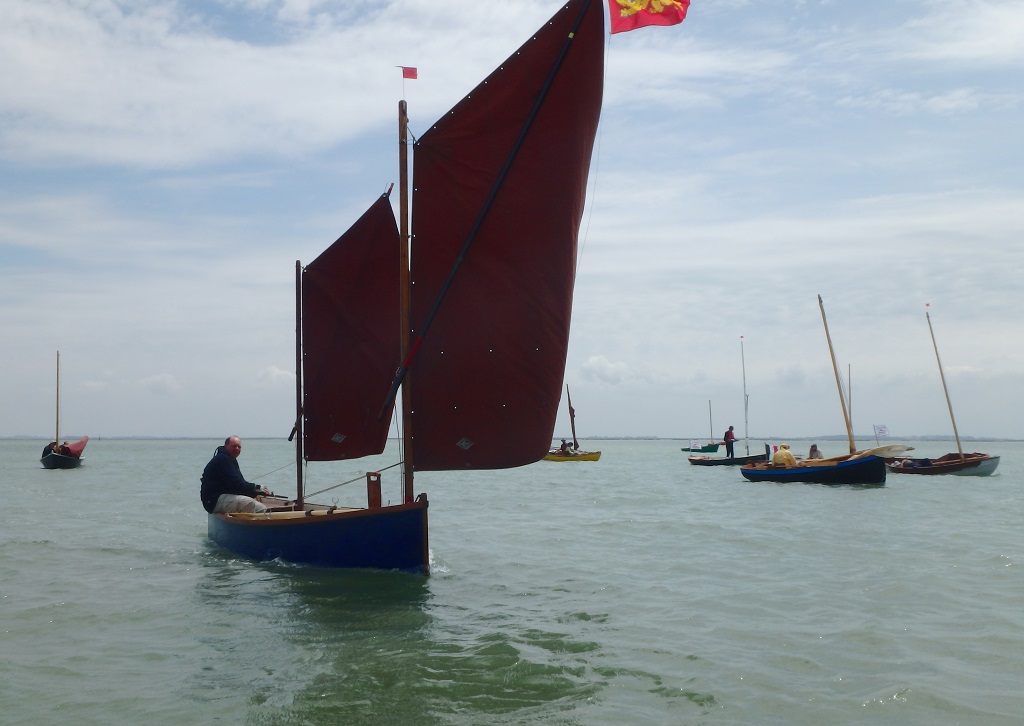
[[730, 442]]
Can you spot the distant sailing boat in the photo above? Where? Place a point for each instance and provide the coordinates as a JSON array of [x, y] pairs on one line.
[[712, 445], [571, 453], [961, 464], [62, 455], [485, 280], [735, 460], [857, 467]]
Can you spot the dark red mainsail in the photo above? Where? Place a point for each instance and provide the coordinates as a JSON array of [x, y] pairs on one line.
[[502, 177]]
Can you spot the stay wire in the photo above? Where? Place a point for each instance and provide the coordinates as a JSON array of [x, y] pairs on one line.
[[351, 481], [333, 486]]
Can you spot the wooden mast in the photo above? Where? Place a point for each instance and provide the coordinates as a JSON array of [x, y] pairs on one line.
[[835, 370], [403, 292], [945, 390], [298, 431], [711, 423], [56, 428], [572, 419]]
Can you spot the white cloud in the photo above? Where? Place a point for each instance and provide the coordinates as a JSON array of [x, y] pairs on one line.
[[990, 32], [599, 368], [891, 101], [273, 377]]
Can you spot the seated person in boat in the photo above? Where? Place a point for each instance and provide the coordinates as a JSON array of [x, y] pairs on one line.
[[783, 457], [815, 452], [224, 488], [564, 449], [50, 448]]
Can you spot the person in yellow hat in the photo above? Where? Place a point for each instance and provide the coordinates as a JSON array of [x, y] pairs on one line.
[[784, 457]]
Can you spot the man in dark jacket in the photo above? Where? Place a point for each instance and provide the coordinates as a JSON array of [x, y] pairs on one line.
[[730, 442], [224, 488]]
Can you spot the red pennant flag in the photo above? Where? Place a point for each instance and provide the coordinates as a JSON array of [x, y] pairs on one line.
[[632, 14], [408, 72]]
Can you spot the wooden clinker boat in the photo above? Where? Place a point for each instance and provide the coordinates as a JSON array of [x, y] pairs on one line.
[[62, 456], [726, 461], [67, 456], [863, 468], [485, 246], [857, 467], [571, 453], [959, 463], [555, 455], [974, 464]]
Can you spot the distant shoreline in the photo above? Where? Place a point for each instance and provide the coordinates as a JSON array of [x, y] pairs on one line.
[[832, 437]]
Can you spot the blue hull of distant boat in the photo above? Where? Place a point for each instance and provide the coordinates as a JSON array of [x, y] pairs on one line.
[[381, 538], [863, 470]]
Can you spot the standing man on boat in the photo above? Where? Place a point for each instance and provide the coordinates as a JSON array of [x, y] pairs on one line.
[[730, 443], [224, 488]]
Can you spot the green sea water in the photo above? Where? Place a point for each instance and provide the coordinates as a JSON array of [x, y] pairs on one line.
[[635, 590]]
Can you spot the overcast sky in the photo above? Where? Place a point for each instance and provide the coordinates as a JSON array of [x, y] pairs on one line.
[[163, 164]]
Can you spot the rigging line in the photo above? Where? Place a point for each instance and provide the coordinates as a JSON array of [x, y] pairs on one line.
[[268, 473], [351, 481], [595, 163], [485, 209], [397, 421]]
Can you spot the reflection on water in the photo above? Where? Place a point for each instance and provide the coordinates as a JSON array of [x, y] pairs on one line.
[[365, 644]]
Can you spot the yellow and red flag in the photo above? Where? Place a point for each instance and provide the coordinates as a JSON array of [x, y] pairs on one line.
[[632, 14]]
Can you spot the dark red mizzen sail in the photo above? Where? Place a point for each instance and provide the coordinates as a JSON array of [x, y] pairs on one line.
[[487, 378], [350, 338]]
